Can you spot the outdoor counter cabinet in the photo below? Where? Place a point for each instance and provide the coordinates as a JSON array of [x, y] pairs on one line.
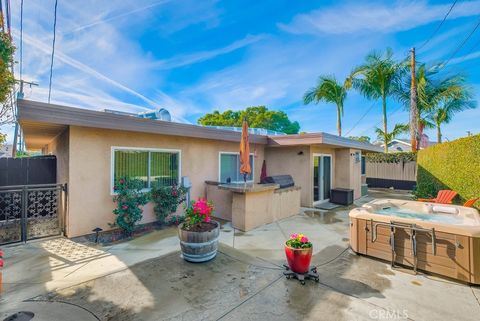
[[250, 205]]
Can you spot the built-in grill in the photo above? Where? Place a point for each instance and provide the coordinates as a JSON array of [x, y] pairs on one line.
[[282, 180]]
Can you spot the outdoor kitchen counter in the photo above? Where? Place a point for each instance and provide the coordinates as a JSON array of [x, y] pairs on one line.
[[252, 205], [248, 188]]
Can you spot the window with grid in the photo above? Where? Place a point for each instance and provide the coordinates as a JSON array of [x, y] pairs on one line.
[[230, 168], [152, 167]]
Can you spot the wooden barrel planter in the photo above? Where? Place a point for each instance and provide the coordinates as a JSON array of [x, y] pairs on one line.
[[199, 246]]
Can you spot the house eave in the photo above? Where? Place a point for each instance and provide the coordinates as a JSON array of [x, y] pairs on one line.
[[321, 139], [44, 113]]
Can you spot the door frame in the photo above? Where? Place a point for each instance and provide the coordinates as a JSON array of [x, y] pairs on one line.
[[321, 185]]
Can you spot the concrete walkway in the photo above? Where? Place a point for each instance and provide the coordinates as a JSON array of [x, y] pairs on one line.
[[145, 279]]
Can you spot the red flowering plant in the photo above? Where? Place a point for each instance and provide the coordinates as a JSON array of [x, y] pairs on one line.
[[129, 199], [198, 213], [167, 199], [299, 241], [1, 258]]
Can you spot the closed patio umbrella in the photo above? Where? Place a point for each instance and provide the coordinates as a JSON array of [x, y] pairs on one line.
[[245, 168], [263, 173]]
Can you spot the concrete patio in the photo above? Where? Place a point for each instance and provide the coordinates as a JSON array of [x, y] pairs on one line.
[[145, 279]]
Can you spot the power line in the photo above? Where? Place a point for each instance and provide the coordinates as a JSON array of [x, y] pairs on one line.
[[21, 39], [461, 45], [53, 49], [464, 68], [378, 123], [363, 116], [439, 26]]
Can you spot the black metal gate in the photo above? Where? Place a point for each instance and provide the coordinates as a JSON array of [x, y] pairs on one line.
[[29, 212]]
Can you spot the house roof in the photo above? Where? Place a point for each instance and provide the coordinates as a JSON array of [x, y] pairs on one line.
[[321, 138], [405, 142], [41, 122]]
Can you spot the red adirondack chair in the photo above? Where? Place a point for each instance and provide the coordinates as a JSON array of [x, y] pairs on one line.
[[443, 197], [470, 202]]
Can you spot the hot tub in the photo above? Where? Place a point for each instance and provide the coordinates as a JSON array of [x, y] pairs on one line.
[[442, 239]]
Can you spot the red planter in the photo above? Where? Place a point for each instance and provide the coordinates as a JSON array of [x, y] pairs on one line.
[[298, 259]]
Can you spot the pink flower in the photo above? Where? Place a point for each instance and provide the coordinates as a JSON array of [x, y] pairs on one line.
[[293, 236], [304, 239], [207, 219], [1, 263], [124, 207]]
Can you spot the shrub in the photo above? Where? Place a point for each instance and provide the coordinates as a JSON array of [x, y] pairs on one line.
[[167, 199], [391, 157], [129, 200], [453, 165]]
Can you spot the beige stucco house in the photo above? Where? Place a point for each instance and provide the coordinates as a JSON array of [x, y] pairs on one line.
[[94, 147]]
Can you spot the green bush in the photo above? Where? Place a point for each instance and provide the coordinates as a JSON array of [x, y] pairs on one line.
[[129, 200], [454, 165], [391, 157], [167, 199]]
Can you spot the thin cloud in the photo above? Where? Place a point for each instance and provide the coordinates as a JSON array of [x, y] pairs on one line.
[[96, 102], [361, 17], [60, 56], [115, 17], [471, 56], [186, 60]]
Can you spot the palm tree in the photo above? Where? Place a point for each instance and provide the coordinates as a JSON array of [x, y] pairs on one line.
[[329, 91], [438, 98], [445, 111], [377, 78], [389, 137]]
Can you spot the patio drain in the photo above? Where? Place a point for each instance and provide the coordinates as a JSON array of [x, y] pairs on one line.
[[20, 316]]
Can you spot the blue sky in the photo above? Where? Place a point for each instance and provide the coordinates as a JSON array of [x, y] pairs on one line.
[[193, 57]]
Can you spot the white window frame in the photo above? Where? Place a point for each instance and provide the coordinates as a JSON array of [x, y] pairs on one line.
[[142, 149], [321, 186], [235, 153]]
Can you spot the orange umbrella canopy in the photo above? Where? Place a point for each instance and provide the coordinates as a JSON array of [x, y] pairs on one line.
[[245, 168]]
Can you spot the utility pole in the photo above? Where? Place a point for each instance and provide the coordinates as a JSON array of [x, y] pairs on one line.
[[20, 95], [414, 139]]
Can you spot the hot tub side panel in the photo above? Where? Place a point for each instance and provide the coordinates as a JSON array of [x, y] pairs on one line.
[[475, 260], [358, 235], [453, 257]]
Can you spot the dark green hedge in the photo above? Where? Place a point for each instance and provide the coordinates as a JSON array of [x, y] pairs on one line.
[[391, 157], [454, 165]]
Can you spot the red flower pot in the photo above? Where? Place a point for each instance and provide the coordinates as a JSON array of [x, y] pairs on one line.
[[298, 259]]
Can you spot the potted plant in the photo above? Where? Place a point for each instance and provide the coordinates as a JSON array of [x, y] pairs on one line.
[[199, 233], [298, 250]]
